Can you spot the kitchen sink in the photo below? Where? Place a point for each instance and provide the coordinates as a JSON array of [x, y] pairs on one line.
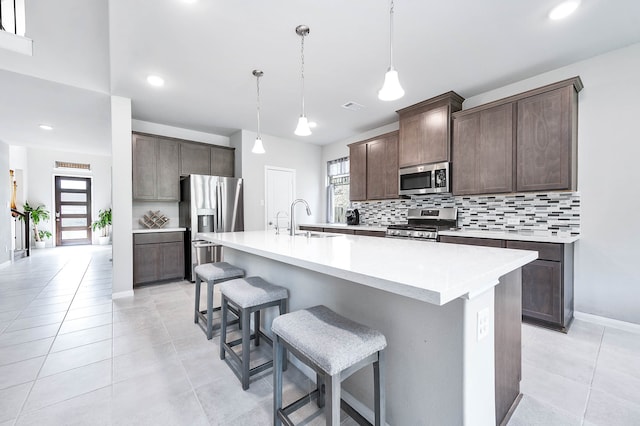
[[310, 234]]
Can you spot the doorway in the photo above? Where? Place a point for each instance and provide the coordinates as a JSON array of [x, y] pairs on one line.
[[279, 193], [73, 210]]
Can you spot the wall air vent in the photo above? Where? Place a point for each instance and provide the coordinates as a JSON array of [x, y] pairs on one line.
[[75, 166], [352, 106]]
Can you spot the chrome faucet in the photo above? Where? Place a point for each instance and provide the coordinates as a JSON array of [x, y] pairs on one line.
[[292, 218], [278, 221]]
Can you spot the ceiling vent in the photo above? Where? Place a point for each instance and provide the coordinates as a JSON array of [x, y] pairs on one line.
[[353, 106], [77, 166]]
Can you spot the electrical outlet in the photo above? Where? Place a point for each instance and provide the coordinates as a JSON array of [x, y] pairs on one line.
[[483, 323]]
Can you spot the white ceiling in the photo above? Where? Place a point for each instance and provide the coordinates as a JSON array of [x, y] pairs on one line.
[[207, 50]]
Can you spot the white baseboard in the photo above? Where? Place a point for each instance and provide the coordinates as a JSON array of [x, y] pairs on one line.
[[122, 294], [607, 322]]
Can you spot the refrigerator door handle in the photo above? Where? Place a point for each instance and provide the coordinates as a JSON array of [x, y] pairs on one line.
[[219, 210]]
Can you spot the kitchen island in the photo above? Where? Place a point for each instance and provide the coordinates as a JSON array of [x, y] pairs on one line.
[[444, 366]]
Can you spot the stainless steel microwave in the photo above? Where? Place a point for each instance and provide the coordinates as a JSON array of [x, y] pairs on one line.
[[424, 179]]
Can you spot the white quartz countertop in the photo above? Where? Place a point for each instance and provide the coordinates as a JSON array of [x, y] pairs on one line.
[[431, 272], [345, 226], [146, 231], [535, 236]]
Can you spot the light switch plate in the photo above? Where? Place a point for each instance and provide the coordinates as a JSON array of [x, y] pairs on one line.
[[483, 323]]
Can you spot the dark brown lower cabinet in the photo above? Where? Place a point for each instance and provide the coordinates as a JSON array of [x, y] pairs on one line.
[[366, 232], [157, 256]]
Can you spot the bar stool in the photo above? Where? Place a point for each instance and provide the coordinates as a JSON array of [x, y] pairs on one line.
[[212, 273], [335, 348], [248, 295]]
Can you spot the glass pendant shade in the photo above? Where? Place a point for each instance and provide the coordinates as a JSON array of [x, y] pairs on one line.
[[391, 89], [258, 148], [303, 127]]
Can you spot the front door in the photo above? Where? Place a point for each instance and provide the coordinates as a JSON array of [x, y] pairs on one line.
[[279, 194], [73, 210]]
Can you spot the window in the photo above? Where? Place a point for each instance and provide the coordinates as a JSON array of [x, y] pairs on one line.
[[337, 190]]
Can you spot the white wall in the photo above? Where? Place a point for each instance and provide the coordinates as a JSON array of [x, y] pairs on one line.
[[40, 178], [5, 200], [178, 132], [301, 156], [607, 278]]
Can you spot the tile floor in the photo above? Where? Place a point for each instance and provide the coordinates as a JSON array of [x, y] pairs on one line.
[[69, 355]]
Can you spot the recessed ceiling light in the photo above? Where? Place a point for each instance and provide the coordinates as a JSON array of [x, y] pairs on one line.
[[46, 127], [313, 124], [564, 9], [155, 80]]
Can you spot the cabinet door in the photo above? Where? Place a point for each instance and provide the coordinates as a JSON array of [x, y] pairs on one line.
[[376, 173], [146, 263], [466, 138], [435, 143], [195, 159], [222, 162], [172, 260], [168, 173], [495, 150], [409, 150], [358, 172], [544, 141], [144, 162], [391, 179], [484, 242], [542, 291]]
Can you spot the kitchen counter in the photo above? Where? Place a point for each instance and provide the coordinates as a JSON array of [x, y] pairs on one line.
[[433, 273], [147, 230], [426, 298], [345, 226], [534, 236]]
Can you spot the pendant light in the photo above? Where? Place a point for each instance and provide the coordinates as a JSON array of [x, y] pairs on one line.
[[303, 124], [391, 89], [258, 148]]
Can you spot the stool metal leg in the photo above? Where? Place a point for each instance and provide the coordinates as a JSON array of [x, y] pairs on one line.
[[256, 324], [379, 389], [283, 310], [209, 309], [319, 386], [332, 402], [223, 326], [277, 379], [197, 309], [245, 318]]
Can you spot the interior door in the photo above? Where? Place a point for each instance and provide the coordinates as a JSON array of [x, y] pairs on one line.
[[73, 210], [279, 194]]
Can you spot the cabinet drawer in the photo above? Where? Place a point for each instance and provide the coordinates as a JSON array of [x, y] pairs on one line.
[[310, 228], [485, 242], [372, 233], [158, 237], [339, 231], [546, 251]]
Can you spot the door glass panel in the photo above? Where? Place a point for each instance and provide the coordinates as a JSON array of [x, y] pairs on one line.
[[73, 209], [73, 184], [73, 221], [74, 235], [73, 196]]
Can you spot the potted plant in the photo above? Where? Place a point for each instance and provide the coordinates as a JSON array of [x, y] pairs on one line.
[[103, 223], [38, 214]]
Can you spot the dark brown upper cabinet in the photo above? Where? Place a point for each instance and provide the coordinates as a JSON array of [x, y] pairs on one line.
[[155, 169], [526, 142], [547, 140], [373, 171], [195, 159], [222, 161], [482, 158], [425, 130]]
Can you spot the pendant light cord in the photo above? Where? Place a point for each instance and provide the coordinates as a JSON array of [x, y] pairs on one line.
[[391, 36], [258, 109], [302, 71]]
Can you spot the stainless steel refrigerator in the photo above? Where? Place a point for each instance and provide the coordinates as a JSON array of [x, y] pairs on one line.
[[208, 204]]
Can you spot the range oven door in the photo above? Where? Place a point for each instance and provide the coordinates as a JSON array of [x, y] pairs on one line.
[[424, 179]]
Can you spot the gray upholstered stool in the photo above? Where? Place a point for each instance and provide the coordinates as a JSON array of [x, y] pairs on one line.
[[335, 348], [249, 295], [212, 273]]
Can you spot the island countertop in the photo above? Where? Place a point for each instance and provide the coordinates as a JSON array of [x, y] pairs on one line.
[[431, 272]]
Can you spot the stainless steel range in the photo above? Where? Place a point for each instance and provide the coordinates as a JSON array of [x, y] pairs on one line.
[[424, 224]]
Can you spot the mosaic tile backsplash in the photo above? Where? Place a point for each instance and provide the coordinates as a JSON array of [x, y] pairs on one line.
[[554, 212]]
